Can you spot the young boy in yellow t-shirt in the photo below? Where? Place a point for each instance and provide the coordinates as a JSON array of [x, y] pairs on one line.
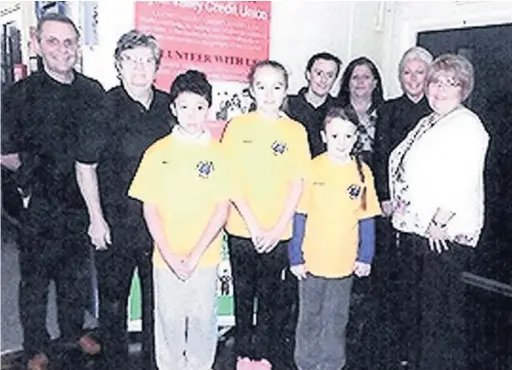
[[184, 182], [333, 239]]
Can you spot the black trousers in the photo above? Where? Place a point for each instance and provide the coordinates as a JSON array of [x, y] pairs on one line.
[[259, 281], [291, 315], [131, 249], [435, 304], [387, 346], [53, 245]]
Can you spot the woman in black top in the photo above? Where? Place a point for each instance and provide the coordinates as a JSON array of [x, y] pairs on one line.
[[396, 117]]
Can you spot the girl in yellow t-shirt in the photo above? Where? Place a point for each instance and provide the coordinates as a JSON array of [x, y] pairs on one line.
[[271, 155], [333, 239]]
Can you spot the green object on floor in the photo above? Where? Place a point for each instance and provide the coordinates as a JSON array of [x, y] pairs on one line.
[[135, 311]]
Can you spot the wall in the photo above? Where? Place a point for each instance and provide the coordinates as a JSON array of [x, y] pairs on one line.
[[346, 29], [296, 33], [378, 29], [405, 19], [113, 21]]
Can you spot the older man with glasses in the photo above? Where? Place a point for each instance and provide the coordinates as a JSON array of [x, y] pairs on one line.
[[45, 119]]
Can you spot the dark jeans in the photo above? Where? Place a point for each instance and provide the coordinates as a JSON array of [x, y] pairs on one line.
[[131, 249], [407, 302], [388, 347], [53, 246], [434, 304], [291, 314], [261, 277]]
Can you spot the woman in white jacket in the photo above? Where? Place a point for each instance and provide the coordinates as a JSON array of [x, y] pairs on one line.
[[436, 180]]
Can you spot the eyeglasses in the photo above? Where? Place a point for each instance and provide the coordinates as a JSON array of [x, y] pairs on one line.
[[138, 60], [444, 82], [54, 42]]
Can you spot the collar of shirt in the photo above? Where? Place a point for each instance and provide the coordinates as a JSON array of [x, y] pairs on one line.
[[202, 138], [324, 106], [420, 103], [130, 102], [49, 79]]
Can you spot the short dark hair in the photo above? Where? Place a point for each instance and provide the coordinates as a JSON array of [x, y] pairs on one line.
[[325, 56], [270, 63], [194, 82], [54, 17]]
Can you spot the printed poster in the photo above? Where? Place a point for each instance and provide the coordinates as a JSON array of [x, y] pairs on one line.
[[223, 39]]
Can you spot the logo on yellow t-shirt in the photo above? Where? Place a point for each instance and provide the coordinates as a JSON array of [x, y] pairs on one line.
[[279, 147], [353, 191], [205, 168]]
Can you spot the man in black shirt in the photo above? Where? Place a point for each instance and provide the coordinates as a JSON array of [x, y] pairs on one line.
[[45, 117], [139, 116], [310, 105]]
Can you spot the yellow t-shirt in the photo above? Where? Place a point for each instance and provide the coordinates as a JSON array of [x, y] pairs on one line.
[[268, 155], [332, 201], [186, 181]]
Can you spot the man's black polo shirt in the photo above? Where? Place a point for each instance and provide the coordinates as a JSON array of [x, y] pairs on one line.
[[299, 109], [46, 122], [132, 129]]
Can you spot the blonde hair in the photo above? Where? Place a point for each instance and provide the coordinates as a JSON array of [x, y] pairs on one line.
[[459, 66], [415, 53]]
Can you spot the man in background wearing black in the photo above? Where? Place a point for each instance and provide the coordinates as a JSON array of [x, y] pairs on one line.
[[310, 105]]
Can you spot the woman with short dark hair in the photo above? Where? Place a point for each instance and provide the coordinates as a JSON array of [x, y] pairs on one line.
[[139, 115]]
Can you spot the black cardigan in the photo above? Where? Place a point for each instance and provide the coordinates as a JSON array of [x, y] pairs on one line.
[[395, 118]]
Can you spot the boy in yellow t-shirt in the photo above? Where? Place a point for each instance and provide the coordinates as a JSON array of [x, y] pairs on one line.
[[333, 239], [184, 182]]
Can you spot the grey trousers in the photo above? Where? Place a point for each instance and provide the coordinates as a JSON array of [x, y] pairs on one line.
[[323, 316], [185, 319]]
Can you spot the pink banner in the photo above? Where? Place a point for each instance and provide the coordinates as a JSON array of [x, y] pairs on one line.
[[221, 38]]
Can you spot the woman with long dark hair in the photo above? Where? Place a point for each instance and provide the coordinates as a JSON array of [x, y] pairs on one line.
[[360, 95]]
